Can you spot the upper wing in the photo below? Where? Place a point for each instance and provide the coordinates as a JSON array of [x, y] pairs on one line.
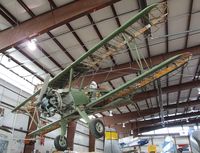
[[104, 49], [147, 77]]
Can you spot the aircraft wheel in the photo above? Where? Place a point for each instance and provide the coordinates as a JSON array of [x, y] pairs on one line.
[[60, 143], [97, 128]]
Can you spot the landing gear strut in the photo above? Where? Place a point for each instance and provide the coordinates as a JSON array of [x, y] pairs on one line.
[[60, 142], [97, 128]]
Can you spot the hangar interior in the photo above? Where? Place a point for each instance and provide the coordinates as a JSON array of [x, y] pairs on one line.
[[43, 38]]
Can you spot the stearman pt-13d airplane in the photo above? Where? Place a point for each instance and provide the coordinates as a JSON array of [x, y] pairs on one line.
[[59, 95]]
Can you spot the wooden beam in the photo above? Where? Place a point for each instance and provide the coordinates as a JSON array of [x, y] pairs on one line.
[[50, 20]]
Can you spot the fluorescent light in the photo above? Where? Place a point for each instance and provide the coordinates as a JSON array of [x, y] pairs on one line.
[[31, 44]]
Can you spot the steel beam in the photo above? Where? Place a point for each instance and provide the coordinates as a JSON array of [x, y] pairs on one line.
[[194, 78], [119, 24], [34, 61], [129, 52], [101, 38], [169, 124], [8, 16], [186, 44], [52, 4], [173, 88], [147, 123], [126, 132], [28, 10], [91, 142], [122, 118], [50, 20], [108, 74], [71, 129], [31, 127], [38, 46], [189, 22]]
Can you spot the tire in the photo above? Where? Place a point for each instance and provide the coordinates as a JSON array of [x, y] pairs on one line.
[[60, 143], [97, 128]]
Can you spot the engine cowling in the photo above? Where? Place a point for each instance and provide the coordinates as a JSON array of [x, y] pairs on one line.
[[56, 101], [49, 104]]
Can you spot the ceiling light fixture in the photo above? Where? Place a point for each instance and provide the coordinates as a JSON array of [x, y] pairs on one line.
[[31, 44]]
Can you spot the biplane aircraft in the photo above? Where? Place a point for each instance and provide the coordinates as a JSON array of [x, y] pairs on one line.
[[59, 95]]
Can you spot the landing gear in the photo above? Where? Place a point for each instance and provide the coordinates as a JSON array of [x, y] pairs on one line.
[[97, 128], [60, 142]]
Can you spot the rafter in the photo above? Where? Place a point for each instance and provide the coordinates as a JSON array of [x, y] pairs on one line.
[[119, 24], [40, 48], [130, 56], [158, 121], [173, 88], [8, 16], [123, 132], [186, 44], [52, 4], [28, 10], [134, 115], [194, 78], [100, 36], [16, 73], [61, 46], [34, 61], [49, 33], [189, 22], [23, 66], [142, 4], [111, 57], [50, 20]]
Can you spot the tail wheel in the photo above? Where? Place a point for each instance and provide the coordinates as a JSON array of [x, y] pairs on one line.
[[97, 128], [60, 143]]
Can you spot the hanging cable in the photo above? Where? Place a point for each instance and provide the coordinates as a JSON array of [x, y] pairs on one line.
[[159, 91]]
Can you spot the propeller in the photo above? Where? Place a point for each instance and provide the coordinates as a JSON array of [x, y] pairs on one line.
[[43, 89]]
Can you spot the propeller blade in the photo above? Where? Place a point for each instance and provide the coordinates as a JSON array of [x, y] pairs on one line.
[[43, 89]]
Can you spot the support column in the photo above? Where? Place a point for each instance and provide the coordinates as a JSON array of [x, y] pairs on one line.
[[71, 129], [32, 126], [29, 145], [189, 143], [91, 142]]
